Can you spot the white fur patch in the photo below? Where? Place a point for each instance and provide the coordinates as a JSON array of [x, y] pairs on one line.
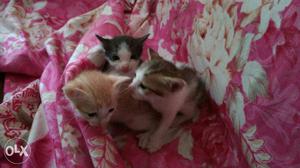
[[124, 52], [139, 75], [125, 65]]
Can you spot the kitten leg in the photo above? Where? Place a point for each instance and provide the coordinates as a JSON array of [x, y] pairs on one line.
[[171, 134], [145, 136], [181, 119], [187, 113], [168, 137], [156, 140]]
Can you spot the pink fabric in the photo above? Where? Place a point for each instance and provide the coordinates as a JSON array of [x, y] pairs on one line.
[[246, 54]]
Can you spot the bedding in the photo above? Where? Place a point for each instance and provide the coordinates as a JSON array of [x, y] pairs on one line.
[[246, 51]]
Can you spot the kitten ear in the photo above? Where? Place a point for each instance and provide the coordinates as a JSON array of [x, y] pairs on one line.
[[153, 55], [143, 39], [101, 39], [119, 81], [74, 93], [173, 84], [105, 42]]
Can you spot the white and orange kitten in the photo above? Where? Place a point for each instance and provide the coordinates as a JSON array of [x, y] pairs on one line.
[[171, 90]]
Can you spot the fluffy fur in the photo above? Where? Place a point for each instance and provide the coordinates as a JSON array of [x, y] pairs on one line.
[[93, 95], [170, 90], [102, 98]]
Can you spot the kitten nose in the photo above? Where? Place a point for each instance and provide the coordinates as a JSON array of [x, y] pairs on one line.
[[125, 69]]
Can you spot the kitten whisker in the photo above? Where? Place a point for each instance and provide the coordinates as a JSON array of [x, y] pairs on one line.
[[125, 90]]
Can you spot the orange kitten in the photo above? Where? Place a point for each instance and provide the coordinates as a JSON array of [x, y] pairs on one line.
[[92, 93], [100, 98]]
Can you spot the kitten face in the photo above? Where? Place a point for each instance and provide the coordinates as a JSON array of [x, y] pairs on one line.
[[123, 52], [94, 95], [156, 78]]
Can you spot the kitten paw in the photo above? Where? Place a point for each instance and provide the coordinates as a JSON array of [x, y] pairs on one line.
[[143, 139], [154, 145]]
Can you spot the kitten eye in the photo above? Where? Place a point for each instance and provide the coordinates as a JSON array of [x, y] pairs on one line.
[[115, 58], [92, 114], [111, 110], [142, 86], [134, 56]]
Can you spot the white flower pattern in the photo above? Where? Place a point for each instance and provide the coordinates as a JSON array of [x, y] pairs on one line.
[[69, 137]]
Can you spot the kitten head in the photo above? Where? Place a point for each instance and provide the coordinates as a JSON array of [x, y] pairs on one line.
[[123, 52], [156, 78], [94, 95]]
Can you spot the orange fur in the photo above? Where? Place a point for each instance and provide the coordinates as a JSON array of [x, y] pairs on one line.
[[93, 92]]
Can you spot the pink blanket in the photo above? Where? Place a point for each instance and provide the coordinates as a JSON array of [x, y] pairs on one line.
[[246, 51]]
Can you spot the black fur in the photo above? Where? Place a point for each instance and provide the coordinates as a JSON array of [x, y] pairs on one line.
[[111, 46]]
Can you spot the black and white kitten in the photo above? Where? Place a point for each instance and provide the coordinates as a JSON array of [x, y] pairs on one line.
[[122, 53]]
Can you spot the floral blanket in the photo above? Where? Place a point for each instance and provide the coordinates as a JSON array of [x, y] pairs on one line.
[[247, 52]]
